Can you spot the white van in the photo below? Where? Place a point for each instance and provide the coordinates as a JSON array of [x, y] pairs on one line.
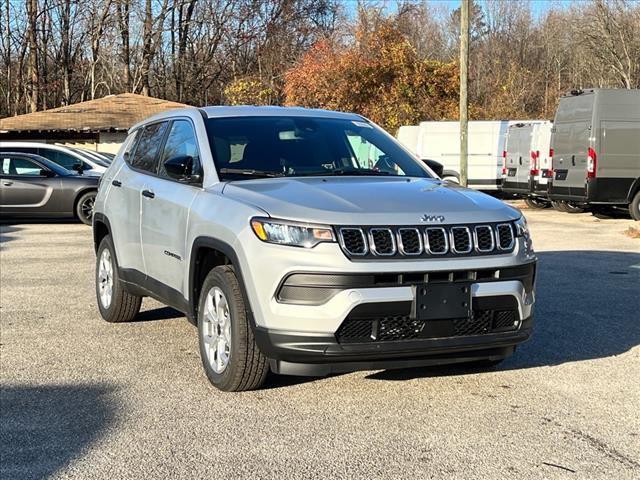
[[440, 141], [527, 162]]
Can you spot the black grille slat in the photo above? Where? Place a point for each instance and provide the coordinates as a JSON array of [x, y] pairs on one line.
[[437, 241], [382, 242], [410, 242], [504, 320], [504, 234], [478, 324], [399, 328], [484, 238], [353, 241], [403, 327], [354, 331], [461, 239]]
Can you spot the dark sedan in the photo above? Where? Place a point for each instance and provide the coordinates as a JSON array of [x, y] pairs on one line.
[[32, 186]]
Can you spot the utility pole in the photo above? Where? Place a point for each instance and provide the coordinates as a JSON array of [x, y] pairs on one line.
[[464, 80]]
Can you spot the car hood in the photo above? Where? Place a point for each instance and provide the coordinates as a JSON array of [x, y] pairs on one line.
[[369, 200]]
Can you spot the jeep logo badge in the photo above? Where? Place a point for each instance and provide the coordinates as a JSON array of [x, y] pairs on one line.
[[432, 218]]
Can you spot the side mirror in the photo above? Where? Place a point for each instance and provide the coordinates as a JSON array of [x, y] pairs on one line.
[[181, 168], [437, 167], [78, 168], [47, 173]]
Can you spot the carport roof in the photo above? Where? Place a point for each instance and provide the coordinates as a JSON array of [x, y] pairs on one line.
[[110, 113]]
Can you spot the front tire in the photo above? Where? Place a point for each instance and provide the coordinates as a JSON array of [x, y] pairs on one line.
[[114, 302], [634, 207], [229, 354], [84, 207]]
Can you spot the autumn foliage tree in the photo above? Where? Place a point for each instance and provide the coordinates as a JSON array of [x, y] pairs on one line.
[[380, 76]]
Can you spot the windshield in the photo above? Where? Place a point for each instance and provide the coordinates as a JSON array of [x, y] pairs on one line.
[[246, 147], [89, 156]]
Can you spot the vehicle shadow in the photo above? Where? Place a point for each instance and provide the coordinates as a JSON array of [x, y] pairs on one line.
[[35, 221], [587, 308], [162, 313], [7, 231], [42, 429]]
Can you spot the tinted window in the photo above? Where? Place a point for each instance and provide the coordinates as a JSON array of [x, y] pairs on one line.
[[63, 159], [20, 166], [298, 146], [146, 154], [181, 141], [131, 142]]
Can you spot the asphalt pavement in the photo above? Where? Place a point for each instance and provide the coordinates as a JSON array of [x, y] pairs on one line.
[[82, 398]]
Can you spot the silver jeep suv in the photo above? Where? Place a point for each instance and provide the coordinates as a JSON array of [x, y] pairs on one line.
[[307, 242]]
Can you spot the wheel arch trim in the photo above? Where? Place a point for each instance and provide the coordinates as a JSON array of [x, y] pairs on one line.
[[228, 251]]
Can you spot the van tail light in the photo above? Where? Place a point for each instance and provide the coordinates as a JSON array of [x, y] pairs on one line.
[[549, 172], [534, 163], [592, 160], [504, 162]]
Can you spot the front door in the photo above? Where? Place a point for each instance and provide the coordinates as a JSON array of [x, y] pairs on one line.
[[165, 213], [23, 188]]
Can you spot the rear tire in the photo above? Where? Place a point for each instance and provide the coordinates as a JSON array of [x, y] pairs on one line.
[[114, 302], [84, 207], [568, 207], [571, 207], [536, 203], [229, 354], [634, 207]]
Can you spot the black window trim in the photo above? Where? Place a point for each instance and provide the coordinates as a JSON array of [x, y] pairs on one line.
[[169, 121], [25, 157]]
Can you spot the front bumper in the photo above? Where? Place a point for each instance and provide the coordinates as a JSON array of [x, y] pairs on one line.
[[293, 354]]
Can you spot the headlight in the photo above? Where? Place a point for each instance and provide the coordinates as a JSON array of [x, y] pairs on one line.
[[522, 230], [295, 234]]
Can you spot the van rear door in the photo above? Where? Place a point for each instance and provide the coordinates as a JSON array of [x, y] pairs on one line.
[[517, 160], [570, 141]]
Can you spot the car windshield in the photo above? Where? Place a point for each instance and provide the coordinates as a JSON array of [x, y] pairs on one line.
[[254, 147], [91, 157]]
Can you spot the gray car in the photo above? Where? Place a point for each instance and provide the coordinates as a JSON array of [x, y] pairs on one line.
[[596, 150], [295, 249], [33, 187]]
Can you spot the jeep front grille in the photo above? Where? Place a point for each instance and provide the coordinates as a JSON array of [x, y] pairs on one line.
[[414, 241], [353, 241], [505, 236], [437, 243]]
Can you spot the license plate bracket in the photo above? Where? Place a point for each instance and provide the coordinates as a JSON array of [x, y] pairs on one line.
[[442, 301]]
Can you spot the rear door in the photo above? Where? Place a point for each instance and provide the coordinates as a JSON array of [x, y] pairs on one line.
[[165, 211], [24, 190], [124, 200], [517, 160], [570, 141]]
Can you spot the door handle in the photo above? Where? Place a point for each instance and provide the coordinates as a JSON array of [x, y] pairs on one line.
[[573, 160], [116, 183], [148, 194], [7, 183], [520, 160]]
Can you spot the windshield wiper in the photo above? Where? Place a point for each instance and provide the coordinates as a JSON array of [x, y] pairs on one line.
[[251, 172], [346, 171]]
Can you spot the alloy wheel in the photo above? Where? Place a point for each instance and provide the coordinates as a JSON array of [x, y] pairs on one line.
[[217, 330], [105, 278]]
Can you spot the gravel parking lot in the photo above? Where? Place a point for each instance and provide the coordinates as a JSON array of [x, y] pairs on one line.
[[82, 398]]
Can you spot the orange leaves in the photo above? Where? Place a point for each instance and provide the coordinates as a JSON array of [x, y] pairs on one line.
[[379, 76]]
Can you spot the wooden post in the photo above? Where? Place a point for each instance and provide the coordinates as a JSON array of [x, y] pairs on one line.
[[464, 80]]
